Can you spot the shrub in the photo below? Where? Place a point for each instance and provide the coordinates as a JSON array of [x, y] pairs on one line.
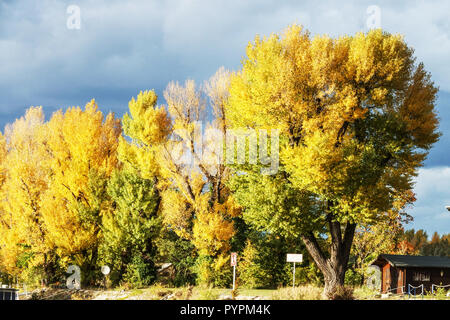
[[440, 293], [251, 272], [179, 252], [139, 273], [341, 293], [213, 271], [364, 293], [353, 278], [309, 274], [307, 292]]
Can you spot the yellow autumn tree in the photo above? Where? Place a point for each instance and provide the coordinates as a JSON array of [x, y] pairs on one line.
[[148, 126], [193, 164], [356, 119], [169, 146], [82, 153], [9, 251], [26, 179], [3, 153]]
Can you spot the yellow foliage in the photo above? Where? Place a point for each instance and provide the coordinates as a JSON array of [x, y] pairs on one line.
[[346, 108], [213, 230], [79, 142], [148, 127], [25, 176], [177, 213]]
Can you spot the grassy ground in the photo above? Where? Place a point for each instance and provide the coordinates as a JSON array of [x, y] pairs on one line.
[[197, 293], [157, 292]]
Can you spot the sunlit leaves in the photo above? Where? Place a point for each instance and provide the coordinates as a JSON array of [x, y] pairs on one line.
[[356, 113]]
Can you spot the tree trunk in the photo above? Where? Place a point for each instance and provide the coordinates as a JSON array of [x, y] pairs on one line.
[[49, 270], [334, 279], [334, 265]]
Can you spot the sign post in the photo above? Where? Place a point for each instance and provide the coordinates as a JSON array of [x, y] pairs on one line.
[[105, 270], [233, 264], [292, 257]]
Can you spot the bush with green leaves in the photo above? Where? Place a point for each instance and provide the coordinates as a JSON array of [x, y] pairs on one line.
[[130, 230], [263, 263], [353, 278], [181, 253], [214, 271], [139, 272]]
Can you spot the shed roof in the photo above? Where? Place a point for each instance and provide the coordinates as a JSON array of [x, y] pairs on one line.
[[414, 261]]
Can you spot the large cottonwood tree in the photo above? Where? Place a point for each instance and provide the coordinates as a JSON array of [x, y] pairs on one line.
[[82, 153], [357, 118], [25, 178]]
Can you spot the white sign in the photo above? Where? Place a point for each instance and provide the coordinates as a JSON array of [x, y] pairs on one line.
[[293, 257], [105, 270]]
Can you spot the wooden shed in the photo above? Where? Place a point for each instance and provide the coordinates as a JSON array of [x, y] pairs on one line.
[[398, 271]]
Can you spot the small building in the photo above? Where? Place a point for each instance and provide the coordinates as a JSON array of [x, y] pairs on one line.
[[398, 272], [9, 294]]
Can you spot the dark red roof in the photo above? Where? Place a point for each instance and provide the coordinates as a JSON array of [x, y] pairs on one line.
[[414, 261]]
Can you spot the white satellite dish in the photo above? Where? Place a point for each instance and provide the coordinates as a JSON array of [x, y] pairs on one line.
[[106, 270]]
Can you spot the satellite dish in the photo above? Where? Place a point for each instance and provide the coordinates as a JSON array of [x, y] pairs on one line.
[[106, 270]]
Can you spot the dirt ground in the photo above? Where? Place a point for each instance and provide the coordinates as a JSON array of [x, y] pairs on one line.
[[137, 294]]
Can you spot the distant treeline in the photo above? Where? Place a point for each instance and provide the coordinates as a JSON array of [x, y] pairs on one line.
[[417, 243]]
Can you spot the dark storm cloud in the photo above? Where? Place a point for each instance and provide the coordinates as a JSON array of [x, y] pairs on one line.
[[125, 46]]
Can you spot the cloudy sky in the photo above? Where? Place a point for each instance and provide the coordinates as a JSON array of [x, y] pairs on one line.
[[123, 47]]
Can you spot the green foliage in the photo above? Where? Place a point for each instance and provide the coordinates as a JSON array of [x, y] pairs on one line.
[[35, 275], [251, 273], [180, 252], [139, 272], [438, 246], [130, 230], [213, 271], [353, 278], [441, 293], [356, 120], [420, 244], [263, 263], [272, 204], [31, 275], [309, 274]]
